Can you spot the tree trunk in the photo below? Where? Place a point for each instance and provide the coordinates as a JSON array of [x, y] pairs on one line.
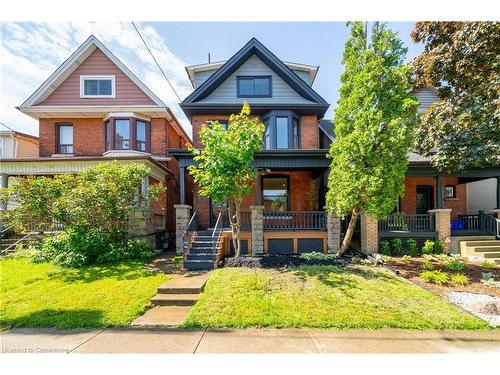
[[350, 231], [234, 220]]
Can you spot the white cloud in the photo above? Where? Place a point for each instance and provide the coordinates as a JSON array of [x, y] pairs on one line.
[[29, 53]]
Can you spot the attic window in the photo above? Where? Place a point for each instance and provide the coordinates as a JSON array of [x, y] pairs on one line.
[[254, 86], [97, 86]]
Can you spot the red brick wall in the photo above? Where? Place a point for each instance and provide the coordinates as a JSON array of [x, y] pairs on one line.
[[198, 121], [309, 132], [458, 205], [88, 136], [159, 136]]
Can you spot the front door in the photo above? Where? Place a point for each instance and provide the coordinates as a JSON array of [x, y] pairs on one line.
[[424, 199]]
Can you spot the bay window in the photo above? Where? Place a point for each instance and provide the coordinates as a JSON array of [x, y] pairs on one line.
[[127, 134], [282, 130]]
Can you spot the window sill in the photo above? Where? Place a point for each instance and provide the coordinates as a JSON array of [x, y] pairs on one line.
[[62, 155], [113, 153], [451, 199]]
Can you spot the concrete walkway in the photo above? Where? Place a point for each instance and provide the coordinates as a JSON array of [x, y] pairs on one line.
[[140, 340]]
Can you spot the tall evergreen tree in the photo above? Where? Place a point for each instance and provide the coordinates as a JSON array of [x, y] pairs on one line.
[[373, 127], [462, 61]]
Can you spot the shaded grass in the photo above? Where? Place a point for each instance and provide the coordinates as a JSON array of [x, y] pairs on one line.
[[322, 296], [45, 295]]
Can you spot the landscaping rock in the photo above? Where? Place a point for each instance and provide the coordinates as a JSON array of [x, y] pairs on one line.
[[483, 306], [280, 261]]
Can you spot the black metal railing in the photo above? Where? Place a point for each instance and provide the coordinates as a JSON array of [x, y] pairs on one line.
[[489, 224], [188, 234], [407, 223], [468, 222], [245, 220], [216, 234], [295, 220]]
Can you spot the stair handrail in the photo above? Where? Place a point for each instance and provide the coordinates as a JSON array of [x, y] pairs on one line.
[[489, 224], [191, 227], [14, 244], [216, 235]]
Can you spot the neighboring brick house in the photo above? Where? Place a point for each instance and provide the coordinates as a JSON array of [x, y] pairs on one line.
[[94, 109], [285, 212]]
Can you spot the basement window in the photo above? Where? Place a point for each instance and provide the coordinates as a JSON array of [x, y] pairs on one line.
[[97, 86]]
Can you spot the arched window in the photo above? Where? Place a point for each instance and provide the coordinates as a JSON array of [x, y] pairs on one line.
[[282, 130]]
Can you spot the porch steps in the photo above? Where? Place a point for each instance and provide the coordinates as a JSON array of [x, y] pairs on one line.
[[200, 255], [175, 299], [481, 249]]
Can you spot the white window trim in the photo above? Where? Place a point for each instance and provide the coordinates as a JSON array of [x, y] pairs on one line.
[[2, 147], [97, 77]]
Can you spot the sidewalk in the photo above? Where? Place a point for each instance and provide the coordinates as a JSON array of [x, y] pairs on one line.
[[137, 340]]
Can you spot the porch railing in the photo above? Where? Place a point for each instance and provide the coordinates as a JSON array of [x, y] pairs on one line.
[[246, 220], [466, 222], [489, 224], [295, 220], [188, 234], [407, 223]]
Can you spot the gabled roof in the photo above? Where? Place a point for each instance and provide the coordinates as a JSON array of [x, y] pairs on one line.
[[70, 65], [278, 66], [193, 69]]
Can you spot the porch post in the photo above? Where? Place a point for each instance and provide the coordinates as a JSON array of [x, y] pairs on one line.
[[257, 230], [182, 185], [333, 231], [369, 234], [182, 217], [443, 228], [439, 192], [256, 192]]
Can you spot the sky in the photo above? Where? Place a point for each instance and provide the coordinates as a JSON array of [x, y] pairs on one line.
[[30, 52]]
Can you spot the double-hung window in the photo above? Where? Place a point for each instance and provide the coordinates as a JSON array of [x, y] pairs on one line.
[[97, 86], [254, 86], [64, 138], [127, 134]]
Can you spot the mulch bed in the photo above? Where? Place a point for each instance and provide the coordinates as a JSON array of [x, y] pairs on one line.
[[411, 270], [281, 261]]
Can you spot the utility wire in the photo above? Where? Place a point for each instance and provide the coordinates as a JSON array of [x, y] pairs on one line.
[[159, 67]]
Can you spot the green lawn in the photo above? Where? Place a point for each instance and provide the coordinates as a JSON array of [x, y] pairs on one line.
[[44, 295], [328, 296]]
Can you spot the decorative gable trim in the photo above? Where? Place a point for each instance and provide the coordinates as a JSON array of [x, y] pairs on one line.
[[70, 65], [231, 65]]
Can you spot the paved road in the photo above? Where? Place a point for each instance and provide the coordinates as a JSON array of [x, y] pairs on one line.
[[135, 340]]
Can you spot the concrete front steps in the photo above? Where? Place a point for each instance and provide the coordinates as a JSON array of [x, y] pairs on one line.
[[478, 249], [174, 300], [200, 255]]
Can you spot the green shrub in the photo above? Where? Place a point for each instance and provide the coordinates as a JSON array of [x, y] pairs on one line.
[[387, 258], [428, 247], [406, 258], [75, 248], [454, 264], [489, 265], [316, 255], [434, 277], [397, 247], [412, 247], [385, 248], [438, 247], [428, 257], [442, 257], [459, 279], [427, 266], [177, 260]]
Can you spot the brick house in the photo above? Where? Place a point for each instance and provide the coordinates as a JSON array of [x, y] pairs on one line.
[[285, 213], [94, 109]]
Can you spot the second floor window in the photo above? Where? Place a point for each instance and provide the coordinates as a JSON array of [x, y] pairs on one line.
[[254, 86], [64, 139], [127, 134], [97, 86], [282, 130]]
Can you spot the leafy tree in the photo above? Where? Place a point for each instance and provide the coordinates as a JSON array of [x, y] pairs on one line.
[[94, 206], [373, 125], [462, 61], [225, 163]]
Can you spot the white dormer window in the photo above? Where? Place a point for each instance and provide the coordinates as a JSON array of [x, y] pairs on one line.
[[97, 86]]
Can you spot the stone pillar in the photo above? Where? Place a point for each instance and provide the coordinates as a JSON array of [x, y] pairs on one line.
[[369, 234], [443, 228], [257, 230], [182, 217], [141, 226], [333, 232]]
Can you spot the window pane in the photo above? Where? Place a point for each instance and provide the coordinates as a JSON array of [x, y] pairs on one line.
[[105, 87], [267, 136], [295, 133], [262, 86], [90, 87], [281, 132], [141, 135], [122, 134], [245, 87], [65, 135], [275, 193]]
